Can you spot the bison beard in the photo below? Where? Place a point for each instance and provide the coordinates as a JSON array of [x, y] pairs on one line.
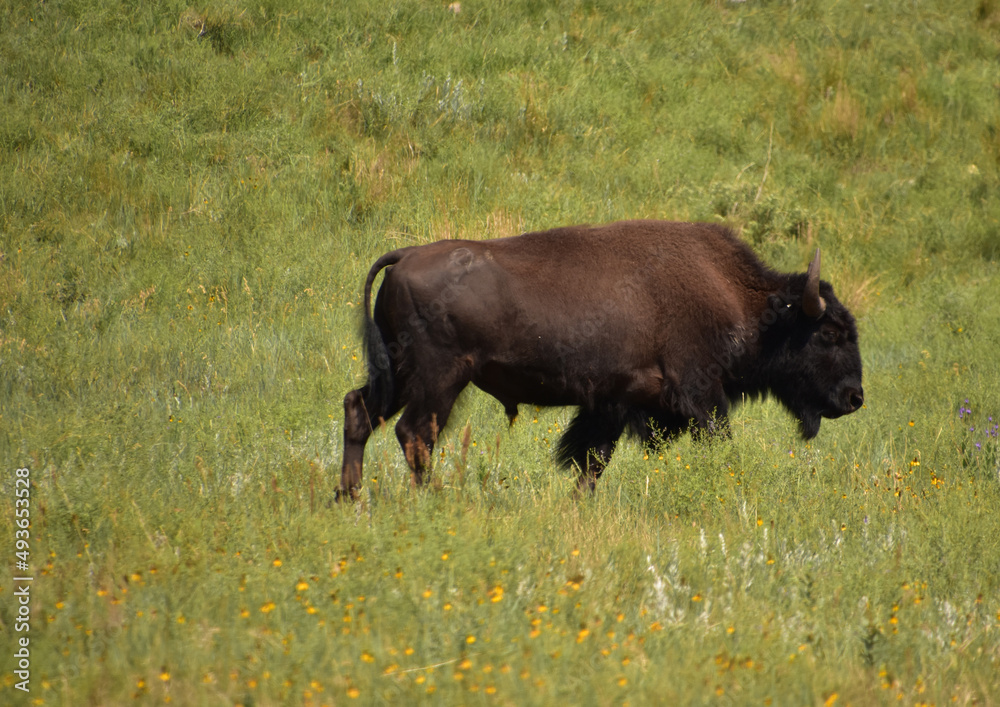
[[648, 327]]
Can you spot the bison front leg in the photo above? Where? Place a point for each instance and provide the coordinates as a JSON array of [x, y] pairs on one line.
[[714, 423], [715, 426], [589, 442], [592, 467], [708, 410]]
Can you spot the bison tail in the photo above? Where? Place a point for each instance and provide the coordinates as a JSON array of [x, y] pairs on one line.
[[380, 388]]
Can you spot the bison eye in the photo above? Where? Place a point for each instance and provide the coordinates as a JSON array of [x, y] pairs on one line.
[[829, 335]]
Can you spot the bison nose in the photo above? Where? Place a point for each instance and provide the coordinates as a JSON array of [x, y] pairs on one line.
[[856, 399]]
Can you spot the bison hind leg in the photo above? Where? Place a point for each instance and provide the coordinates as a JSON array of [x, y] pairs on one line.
[[363, 411], [421, 423], [590, 440]]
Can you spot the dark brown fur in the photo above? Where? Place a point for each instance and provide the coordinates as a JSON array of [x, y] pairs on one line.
[[644, 325]]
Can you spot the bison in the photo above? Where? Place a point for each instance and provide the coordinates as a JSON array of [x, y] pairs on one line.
[[648, 327]]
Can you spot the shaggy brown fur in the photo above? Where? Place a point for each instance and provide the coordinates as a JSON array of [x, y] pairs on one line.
[[644, 325]]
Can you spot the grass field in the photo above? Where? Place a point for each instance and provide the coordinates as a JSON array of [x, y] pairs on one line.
[[190, 197]]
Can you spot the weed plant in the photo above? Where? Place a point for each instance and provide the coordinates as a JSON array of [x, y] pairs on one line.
[[190, 197]]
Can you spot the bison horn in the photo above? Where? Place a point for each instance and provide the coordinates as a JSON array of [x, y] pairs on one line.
[[812, 304]]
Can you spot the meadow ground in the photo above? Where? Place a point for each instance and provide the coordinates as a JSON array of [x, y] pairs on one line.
[[190, 197]]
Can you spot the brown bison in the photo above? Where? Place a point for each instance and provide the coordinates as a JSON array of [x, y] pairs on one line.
[[646, 326]]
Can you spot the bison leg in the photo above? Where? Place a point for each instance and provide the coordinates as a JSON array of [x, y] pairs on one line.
[[714, 422], [360, 418], [593, 466], [419, 426], [715, 426], [589, 442], [657, 428]]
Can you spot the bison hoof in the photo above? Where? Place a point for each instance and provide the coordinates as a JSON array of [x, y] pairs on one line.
[[345, 495]]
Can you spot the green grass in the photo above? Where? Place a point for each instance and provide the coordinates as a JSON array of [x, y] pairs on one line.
[[189, 200]]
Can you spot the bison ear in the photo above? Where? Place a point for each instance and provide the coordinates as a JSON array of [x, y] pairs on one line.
[[812, 304]]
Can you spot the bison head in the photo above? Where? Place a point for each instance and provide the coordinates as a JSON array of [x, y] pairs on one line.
[[814, 361]]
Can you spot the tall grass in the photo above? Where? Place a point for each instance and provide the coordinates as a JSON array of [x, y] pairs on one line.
[[189, 201]]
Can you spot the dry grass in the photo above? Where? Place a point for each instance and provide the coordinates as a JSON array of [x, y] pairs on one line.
[[843, 115]]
